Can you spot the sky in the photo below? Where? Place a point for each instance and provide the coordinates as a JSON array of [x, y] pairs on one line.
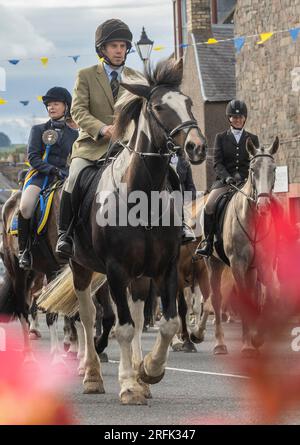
[[31, 29]]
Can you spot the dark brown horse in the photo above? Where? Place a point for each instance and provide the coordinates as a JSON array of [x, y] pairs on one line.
[[163, 125]]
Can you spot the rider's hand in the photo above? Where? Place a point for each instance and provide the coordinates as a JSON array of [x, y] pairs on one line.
[[107, 131], [229, 180], [60, 174]]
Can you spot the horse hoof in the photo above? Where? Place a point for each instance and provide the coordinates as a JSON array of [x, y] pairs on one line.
[[103, 357], [132, 398], [34, 334], [71, 355], [249, 353], [66, 346], [90, 387], [146, 389], [257, 341], [189, 347], [177, 347], [198, 339], [220, 350], [147, 378]]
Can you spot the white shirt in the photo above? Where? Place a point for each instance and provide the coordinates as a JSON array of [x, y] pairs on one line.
[[109, 70], [237, 134]]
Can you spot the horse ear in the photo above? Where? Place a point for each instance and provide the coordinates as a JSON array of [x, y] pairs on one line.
[[250, 147], [137, 89], [275, 146]]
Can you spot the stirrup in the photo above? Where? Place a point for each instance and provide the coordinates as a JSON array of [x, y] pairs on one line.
[[206, 250], [64, 247], [25, 260]]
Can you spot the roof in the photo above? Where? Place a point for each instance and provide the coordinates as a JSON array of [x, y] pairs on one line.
[[217, 64]]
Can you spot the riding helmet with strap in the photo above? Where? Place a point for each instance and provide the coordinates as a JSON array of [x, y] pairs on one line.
[[110, 31]]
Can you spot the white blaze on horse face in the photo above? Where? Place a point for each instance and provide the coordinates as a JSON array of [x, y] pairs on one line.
[[263, 182], [177, 102]]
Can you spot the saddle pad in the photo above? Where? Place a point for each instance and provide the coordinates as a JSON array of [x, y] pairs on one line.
[[41, 216]]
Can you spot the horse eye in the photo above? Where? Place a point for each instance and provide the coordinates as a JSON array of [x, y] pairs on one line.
[[158, 107]]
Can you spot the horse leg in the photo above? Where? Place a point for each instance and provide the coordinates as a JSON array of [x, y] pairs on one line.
[[81, 348], [131, 391], [202, 291], [183, 312], [137, 313], [67, 333], [92, 382], [73, 348], [215, 269], [153, 367], [34, 331], [108, 319]]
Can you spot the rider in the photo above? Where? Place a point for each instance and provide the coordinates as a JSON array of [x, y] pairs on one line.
[[96, 90], [47, 161], [231, 163]]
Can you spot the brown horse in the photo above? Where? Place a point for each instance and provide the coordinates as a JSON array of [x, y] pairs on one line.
[[164, 124]]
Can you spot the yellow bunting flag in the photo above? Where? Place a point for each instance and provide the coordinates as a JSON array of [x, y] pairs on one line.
[[3, 101], [159, 48], [101, 59], [211, 41], [44, 60], [40, 98], [264, 37]]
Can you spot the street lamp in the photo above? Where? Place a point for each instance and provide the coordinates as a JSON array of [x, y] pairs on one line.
[[144, 46]]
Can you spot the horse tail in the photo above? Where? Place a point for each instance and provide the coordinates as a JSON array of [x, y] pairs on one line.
[[8, 300], [60, 297]]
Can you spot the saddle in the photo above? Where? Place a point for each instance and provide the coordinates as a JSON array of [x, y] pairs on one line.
[[38, 226], [219, 216]]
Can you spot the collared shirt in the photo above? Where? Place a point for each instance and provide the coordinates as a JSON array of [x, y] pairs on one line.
[[109, 70], [237, 133]]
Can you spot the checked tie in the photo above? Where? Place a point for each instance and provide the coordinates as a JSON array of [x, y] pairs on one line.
[[114, 84]]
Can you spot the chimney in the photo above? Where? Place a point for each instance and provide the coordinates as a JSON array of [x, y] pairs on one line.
[[199, 16]]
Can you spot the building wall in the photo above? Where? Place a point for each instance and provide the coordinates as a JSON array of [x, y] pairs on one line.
[[191, 86], [267, 77]]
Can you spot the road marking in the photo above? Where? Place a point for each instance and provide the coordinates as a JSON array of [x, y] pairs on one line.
[[237, 376]]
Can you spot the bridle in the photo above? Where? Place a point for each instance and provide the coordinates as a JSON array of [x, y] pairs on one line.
[[169, 134], [253, 199]]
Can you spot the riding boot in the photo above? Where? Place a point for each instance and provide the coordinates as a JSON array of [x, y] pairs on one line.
[[188, 235], [64, 246], [25, 257], [206, 248]]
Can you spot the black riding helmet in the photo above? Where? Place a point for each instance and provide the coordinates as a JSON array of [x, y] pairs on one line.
[[236, 108], [58, 94], [110, 31]]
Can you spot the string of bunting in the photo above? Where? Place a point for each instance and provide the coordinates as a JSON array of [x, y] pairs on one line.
[[238, 44]]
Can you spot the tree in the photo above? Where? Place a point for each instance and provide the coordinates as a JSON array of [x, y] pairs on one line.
[[4, 140]]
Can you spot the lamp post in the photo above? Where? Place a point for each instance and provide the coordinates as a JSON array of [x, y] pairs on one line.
[[144, 47]]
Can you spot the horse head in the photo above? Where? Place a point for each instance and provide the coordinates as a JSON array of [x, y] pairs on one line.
[[168, 112], [262, 174]]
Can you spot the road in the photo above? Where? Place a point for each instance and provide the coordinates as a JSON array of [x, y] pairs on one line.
[[198, 388]]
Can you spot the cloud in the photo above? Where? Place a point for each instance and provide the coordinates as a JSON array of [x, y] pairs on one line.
[[18, 37], [103, 4]]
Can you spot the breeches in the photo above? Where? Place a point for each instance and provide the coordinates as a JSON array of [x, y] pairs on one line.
[[76, 166], [29, 199], [211, 202]]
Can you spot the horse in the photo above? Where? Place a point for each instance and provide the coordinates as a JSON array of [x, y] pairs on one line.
[[250, 244], [142, 248]]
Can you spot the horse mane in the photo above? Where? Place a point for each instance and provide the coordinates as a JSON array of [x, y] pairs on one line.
[[128, 108]]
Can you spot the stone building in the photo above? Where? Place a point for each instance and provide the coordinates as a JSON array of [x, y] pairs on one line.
[[268, 79], [266, 76], [209, 70]]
